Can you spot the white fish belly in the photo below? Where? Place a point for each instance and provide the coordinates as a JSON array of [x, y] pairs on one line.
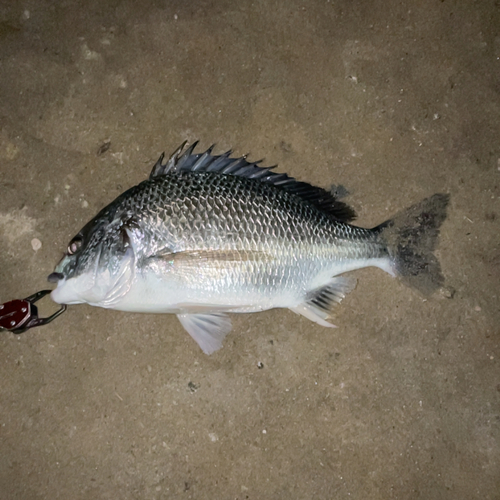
[[152, 296], [151, 293]]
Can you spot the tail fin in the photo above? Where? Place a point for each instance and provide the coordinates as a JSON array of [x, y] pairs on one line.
[[411, 237]]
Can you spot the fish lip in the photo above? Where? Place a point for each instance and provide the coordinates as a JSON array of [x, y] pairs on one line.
[[55, 277]]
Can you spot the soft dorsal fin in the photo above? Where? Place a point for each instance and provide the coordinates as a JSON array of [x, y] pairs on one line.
[[187, 161]]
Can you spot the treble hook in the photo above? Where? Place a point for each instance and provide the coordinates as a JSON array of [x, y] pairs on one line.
[[19, 315]]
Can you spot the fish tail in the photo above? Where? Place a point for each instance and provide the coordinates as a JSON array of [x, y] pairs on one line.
[[411, 238]]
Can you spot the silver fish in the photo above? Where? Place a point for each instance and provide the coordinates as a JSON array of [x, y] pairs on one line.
[[206, 235]]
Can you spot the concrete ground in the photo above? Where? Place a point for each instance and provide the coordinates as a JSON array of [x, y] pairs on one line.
[[396, 101]]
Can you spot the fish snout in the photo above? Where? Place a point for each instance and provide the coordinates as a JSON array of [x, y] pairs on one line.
[[55, 277]]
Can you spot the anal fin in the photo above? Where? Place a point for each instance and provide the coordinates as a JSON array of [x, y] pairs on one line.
[[320, 302], [208, 330]]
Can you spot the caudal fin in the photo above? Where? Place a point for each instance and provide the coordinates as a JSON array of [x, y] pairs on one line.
[[411, 238]]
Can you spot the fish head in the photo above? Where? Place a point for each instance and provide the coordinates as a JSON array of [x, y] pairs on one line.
[[97, 267]]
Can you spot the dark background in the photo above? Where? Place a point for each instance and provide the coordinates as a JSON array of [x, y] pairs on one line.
[[396, 101]]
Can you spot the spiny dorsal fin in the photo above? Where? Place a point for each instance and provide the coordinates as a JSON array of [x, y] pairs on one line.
[[187, 161]]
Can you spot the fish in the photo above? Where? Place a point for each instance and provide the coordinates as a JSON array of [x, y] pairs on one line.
[[206, 235]]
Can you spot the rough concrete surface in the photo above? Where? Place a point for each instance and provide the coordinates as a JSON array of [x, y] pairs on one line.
[[395, 100]]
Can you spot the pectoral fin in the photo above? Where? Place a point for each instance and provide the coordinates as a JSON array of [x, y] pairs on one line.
[[208, 330]]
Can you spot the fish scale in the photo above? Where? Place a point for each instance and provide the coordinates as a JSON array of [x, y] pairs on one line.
[[206, 235]]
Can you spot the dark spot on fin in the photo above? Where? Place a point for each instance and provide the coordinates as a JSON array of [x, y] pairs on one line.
[[223, 164]]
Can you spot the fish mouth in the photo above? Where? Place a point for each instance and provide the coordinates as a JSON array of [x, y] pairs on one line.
[[55, 277], [66, 291], [97, 286]]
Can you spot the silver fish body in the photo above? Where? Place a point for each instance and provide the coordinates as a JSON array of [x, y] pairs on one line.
[[206, 235]]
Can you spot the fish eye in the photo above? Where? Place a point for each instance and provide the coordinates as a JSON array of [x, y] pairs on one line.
[[75, 245]]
